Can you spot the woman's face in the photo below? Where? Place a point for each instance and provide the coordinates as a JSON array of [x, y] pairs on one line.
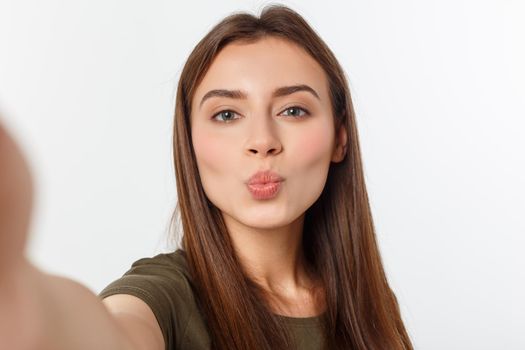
[[250, 128]]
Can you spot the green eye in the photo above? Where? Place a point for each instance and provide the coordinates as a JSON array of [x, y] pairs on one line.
[[296, 111], [226, 116]]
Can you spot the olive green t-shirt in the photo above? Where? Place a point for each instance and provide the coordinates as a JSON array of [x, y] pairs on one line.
[[163, 282]]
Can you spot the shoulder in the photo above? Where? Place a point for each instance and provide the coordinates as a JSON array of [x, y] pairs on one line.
[[166, 263], [156, 276], [164, 283]]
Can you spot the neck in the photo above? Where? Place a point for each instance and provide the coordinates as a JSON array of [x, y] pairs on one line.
[[273, 257]]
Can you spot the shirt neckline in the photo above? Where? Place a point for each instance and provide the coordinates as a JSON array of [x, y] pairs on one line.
[[301, 321]]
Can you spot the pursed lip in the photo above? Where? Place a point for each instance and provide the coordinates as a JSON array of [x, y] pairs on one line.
[[263, 177]]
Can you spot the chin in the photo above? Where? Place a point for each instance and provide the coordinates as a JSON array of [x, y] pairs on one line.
[[267, 221]]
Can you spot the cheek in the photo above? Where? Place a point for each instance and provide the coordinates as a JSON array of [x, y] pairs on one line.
[[313, 148], [215, 164], [310, 164], [209, 151]]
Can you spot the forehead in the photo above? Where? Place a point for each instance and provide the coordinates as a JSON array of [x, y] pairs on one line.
[[260, 67]]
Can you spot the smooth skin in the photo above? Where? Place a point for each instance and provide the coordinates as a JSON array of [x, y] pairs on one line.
[[292, 134], [41, 311]]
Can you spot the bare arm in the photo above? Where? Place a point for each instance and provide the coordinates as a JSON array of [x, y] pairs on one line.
[[42, 311]]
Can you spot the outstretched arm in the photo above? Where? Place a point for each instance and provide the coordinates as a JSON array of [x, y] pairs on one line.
[[42, 311]]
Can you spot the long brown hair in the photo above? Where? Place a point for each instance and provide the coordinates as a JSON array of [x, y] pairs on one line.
[[338, 239]]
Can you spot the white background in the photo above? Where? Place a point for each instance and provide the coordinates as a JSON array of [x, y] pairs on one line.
[[439, 86]]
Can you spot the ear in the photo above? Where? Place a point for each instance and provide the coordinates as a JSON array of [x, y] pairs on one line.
[[340, 144]]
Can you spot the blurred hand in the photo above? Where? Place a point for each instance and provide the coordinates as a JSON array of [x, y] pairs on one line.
[[17, 299], [16, 195]]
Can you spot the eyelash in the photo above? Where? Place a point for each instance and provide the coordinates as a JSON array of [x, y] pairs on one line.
[[306, 113]]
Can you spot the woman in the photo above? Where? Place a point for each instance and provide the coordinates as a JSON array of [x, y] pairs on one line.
[[278, 244]]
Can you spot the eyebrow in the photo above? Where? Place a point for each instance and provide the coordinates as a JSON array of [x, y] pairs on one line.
[[239, 94]]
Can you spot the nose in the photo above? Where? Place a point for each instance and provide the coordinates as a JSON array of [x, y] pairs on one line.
[[263, 139]]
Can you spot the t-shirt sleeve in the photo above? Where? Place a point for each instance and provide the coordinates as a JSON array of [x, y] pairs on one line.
[[163, 287]]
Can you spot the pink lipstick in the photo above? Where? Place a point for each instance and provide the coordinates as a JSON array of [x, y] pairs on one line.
[[264, 184]]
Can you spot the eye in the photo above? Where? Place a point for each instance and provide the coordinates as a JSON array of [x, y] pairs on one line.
[[296, 111], [226, 115]]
